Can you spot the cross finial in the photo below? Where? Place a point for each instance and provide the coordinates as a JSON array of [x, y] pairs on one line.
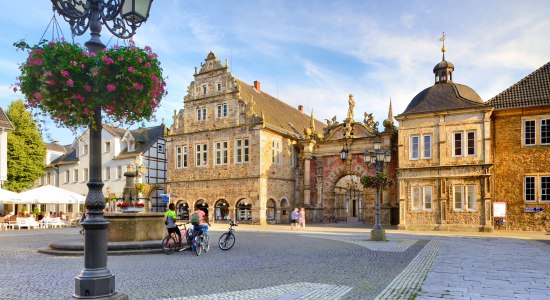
[[442, 40]]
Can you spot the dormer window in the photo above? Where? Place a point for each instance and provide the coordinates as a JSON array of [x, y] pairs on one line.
[[131, 146]]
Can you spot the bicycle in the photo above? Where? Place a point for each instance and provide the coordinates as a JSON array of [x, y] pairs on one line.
[[171, 243], [200, 242], [227, 240]]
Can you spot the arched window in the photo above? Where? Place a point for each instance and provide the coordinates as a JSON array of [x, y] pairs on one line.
[[202, 205], [221, 211], [182, 210], [244, 210], [270, 213], [284, 207]]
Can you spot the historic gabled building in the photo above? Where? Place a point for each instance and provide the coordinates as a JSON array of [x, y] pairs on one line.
[[68, 167], [5, 126], [242, 154], [445, 157], [233, 149], [521, 147]]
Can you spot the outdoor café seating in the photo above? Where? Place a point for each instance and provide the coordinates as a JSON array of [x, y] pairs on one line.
[[28, 222]]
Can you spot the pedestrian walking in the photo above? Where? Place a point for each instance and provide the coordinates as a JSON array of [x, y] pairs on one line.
[[302, 218], [294, 219]]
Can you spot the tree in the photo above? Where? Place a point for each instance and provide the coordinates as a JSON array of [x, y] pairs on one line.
[[26, 151]]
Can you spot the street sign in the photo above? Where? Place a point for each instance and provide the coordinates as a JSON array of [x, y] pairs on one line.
[[533, 209], [165, 198]]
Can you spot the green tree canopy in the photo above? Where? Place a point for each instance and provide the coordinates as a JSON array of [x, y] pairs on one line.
[[26, 151]]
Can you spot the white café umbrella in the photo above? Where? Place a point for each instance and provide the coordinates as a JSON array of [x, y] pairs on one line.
[[48, 194], [9, 197]]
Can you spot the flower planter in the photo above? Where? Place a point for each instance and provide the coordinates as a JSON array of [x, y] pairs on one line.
[[131, 209]]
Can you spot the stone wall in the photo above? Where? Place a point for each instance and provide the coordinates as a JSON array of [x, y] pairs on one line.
[[513, 161]]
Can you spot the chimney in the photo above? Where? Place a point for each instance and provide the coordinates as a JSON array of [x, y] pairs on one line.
[[301, 108], [257, 85]]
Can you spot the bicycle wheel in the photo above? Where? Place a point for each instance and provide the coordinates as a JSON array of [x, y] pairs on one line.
[[227, 240], [169, 245], [198, 245], [205, 243]]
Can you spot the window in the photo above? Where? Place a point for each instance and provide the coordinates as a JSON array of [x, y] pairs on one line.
[[529, 188], [276, 152], [84, 150], [219, 87], [241, 151], [198, 114], [415, 147], [49, 178], [427, 197], [160, 148], [294, 157], [75, 175], [221, 110], [457, 142], [458, 197], [415, 195], [529, 132], [67, 175], [221, 153], [179, 157], [107, 147], [545, 131], [131, 146], [184, 156], [204, 113], [204, 89], [119, 172], [427, 146], [471, 143], [201, 155], [107, 173], [471, 197], [545, 188], [86, 174]]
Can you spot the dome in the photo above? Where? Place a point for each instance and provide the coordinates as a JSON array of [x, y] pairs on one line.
[[443, 96], [444, 65]]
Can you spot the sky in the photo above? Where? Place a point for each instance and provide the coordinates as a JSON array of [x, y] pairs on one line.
[[315, 53]]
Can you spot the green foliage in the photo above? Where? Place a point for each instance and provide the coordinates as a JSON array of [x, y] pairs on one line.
[[26, 151], [382, 181], [36, 210], [68, 83]]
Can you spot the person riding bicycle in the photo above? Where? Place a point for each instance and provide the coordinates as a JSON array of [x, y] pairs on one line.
[[201, 220], [170, 222]]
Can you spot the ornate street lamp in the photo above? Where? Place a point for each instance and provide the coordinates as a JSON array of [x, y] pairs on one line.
[[377, 159], [121, 18]]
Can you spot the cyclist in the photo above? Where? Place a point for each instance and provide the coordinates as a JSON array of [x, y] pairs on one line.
[[171, 225], [202, 219]]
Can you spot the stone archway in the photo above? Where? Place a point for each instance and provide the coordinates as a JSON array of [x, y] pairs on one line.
[[271, 211], [350, 200], [202, 205], [283, 214], [221, 210], [182, 210], [243, 210]]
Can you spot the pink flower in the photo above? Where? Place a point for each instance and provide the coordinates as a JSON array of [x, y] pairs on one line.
[[107, 60], [38, 51], [131, 69], [73, 63], [111, 87], [37, 96], [138, 86], [65, 73], [95, 72], [87, 87], [140, 60], [68, 102], [148, 64], [70, 82]]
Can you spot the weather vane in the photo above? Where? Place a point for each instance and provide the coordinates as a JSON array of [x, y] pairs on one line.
[[442, 40]]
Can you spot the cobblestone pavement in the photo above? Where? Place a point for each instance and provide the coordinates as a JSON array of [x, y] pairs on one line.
[[317, 263]]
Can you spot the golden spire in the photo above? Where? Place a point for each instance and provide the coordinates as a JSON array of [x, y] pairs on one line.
[[442, 40], [312, 122]]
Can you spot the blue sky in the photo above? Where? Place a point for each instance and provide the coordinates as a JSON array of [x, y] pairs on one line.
[[315, 53]]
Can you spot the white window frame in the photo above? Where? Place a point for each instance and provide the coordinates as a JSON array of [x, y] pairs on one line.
[[427, 191], [119, 172], [107, 173], [467, 143], [86, 174], [184, 151], [107, 147], [242, 151], [276, 152], [67, 176], [547, 131], [221, 153], [416, 198], [75, 175], [533, 188], [84, 150], [131, 145], [460, 189], [461, 146], [160, 148], [201, 155], [414, 151], [427, 147], [469, 192], [179, 157], [534, 133], [545, 188]]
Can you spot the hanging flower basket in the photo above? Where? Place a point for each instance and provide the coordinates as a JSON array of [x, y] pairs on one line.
[[378, 181], [67, 82]]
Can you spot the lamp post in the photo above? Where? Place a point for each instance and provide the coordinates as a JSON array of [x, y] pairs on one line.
[[122, 18], [377, 158]]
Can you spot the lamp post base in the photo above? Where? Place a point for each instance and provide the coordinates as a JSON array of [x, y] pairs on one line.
[[378, 235], [103, 287]]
